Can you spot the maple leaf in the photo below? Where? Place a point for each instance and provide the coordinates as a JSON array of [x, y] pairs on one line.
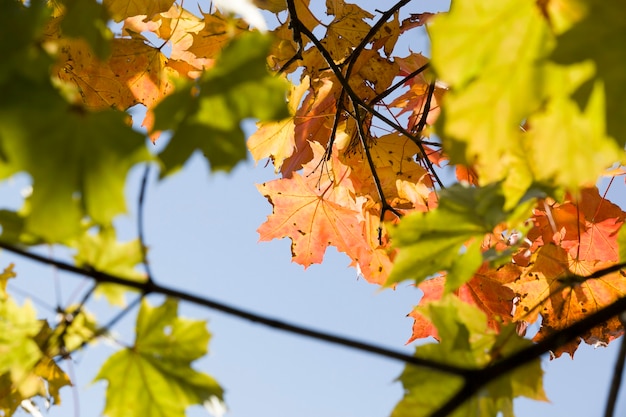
[[466, 341], [121, 9], [575, 45], [19, 354], [104, 253], [394, 158], [78, 161], [20, 30], [135, 73], [347, 28], [586, 227], [553, 286], [217, 32], [414, 99], [438, 240], [486, 290], [207, 115], [276, 139], [273, 6], [489, 69], [314, 121], [565, 128], [178, 26], [154, 376], [315, 211], [372, 74], [87, 20]]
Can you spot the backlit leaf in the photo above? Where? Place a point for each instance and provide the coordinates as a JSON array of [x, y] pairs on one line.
[[104, 253], [435, 241], [78, 161], [551, 286], [466, 341], [208, 119], [154, 376], [121, 9]]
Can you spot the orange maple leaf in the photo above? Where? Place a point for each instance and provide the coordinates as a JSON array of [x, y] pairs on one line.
[[487, 290], [553, 285], [313, 123], [587, 228], [315, 210]]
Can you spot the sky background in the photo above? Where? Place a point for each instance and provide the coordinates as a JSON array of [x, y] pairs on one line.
[[201, 230]]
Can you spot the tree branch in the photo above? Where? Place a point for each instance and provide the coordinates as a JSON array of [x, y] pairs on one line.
[[356, 100], [148, 287]]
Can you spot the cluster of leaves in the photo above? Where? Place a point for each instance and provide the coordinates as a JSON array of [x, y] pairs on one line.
[[517, 99]]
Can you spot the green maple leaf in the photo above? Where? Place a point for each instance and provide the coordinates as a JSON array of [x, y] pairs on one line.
[[593, 39], [78, 161], [436, 241], [20, 27], [19, 353], [578, 137], [466, 342], [207, 116], [154, 376], [104, 253], [488, 52]]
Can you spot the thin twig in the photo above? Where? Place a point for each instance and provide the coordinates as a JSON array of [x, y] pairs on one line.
[[400, 83], [618, 373], [356, 100], [381, 195], [371, 33], [140, 222]]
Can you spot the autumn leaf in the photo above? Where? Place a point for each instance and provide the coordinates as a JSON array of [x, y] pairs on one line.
[[553, 285], [154, 376], [19, 353], [217, 32], [314, 211], [314, 121], [414, 99], [586, 226], [87, 20], [486, 290], [276, 140], [347, 29], [121, 9]]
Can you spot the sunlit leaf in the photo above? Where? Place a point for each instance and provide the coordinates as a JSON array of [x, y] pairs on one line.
[[154, 376]]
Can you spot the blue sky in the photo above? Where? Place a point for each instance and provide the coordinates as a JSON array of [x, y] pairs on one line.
[[201, 229]]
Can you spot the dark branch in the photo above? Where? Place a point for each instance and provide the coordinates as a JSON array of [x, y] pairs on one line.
[[148, 287], [618, 373], [140, 222], [475, 380]]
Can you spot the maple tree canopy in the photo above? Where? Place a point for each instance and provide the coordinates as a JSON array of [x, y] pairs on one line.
[[480, 173]]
